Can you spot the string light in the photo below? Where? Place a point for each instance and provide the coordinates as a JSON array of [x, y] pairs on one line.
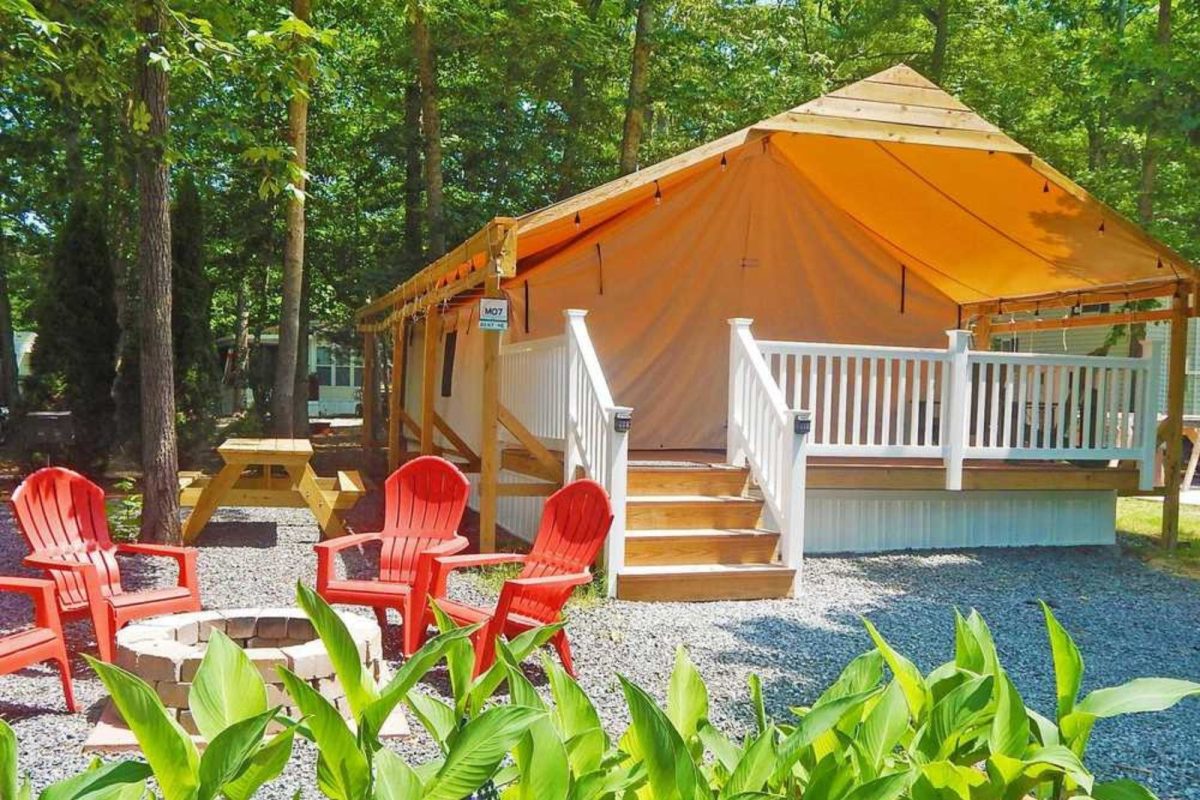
[[724, 163], [1046, 187], [578, 221], [657, 194], [1101, 228]]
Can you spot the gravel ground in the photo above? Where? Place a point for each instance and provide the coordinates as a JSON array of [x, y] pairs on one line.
[[1129, 622]]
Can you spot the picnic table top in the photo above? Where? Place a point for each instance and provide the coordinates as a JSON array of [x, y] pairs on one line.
[[285, 449]]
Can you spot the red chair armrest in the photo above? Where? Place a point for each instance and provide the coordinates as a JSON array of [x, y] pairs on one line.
[[185, 557], [444, 565], [42, 593], [326, 550], [91, 577], [578, 579]]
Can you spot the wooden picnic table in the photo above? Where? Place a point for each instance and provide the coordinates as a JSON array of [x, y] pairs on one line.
[[269, 473]]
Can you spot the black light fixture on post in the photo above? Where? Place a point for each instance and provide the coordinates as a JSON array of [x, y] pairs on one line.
[[802, 424], [622, 421]]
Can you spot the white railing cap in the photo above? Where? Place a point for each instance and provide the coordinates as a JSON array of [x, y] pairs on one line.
[[741, 322], [575, 313]]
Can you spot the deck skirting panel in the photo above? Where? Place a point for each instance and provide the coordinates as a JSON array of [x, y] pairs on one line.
[[519, 516], [872, 521]]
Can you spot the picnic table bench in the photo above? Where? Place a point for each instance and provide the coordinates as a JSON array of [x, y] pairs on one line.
[[272, 473]]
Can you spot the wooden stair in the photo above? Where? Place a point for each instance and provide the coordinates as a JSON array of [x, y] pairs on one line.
[[692, 534]]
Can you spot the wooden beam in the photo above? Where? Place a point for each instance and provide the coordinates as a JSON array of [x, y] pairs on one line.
[[428, 378], [395, 440], [489, 433], [1085, 321], [369, 391], [460, 445], [1173, 456], [802, 123], [526, 489], [539, 451], [982, 334]]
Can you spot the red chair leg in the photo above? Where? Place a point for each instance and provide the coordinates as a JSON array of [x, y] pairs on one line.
[[416, 622], [381, 618], [564, 651], [485, 646], [105, 627], [64, 671]]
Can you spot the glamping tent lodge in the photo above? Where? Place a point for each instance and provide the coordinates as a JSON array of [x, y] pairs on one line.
[[778, 343]]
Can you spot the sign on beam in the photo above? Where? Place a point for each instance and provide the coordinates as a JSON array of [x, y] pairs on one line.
[[493, 313]]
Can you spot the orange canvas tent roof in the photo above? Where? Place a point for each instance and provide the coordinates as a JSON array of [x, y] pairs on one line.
[[944, 192]]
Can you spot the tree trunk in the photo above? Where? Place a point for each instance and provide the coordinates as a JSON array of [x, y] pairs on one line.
[[9, 390], [282, 399], [939, 17], [160, 491], [413, 248], [568, 180], [300, 392], [639, 73], [1162, 39], [431, 129], [241, 345]]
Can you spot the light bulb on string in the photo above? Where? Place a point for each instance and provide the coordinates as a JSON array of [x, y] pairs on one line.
[[657, 194], [578, 221], [724, 163]]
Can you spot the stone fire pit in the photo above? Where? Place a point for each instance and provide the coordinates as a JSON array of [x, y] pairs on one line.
[[166, 652]]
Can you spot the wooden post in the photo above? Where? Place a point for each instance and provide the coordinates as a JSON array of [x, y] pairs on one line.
[[396, 394], [983, 332], [1173, 456], [369, 390], [489, 445], [428, 374]]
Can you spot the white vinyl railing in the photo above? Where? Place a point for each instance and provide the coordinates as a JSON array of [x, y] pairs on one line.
[[596, 435], [534, 386], [955, 404], [769, 435]]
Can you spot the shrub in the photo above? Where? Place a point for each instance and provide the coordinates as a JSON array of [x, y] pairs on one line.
[[881, 731]]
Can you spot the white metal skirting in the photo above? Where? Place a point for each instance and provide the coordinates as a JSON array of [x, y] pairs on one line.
[[517, 515], [862, 521]]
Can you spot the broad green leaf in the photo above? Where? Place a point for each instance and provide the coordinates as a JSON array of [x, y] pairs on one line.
[[1046, 730], [577, 721], [346, 774], [915, 692], [167, 747], [967, 653], [652, 738], [521, 646], [864, 672], [99, 776], [983, 637], [1062, 758], [343, 653], [815, 723], [394, 778], [115, 791], [888, 787], [687, 696], [227, 687], [950, 717], [754, 768], [230, 751], [756, 700], [1138, 696], [885, 723], [9, 779], [1122, 789], [1010, 725], [944, 776], [540, 754], [606, 783], [1068, 663], [726, 752], [411, 671], [478, 750], [435, 716], [460, 662], [264, 766]]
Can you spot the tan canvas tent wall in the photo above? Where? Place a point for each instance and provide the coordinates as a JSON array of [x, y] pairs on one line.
[[885, 213]]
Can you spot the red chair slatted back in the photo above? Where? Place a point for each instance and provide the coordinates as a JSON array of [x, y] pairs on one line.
[[61, 515], [423, 505], [574, 523]]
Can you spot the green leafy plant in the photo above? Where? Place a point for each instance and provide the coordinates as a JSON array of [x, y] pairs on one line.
[[125, 511]]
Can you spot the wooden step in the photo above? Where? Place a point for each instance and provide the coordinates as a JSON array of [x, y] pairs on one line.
[[699, 546], [701, 480], [691, 512], [705, 582]]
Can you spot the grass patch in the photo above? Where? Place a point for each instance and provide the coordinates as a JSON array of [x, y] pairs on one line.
[[1139, 525]]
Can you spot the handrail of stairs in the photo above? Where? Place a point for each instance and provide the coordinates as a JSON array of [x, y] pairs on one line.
[[597, 435], [764, 432]]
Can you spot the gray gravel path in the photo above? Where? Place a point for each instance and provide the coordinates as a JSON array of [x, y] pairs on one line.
[[1129, 621]]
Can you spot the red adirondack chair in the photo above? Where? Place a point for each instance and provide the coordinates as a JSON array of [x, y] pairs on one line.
[[574, 523], [61, 515], [424, 502], [44, 641]]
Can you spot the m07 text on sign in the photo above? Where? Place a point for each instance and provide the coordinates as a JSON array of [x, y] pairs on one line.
[[493, 314]]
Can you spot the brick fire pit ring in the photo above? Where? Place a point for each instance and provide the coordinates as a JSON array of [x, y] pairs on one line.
[[166, 652]]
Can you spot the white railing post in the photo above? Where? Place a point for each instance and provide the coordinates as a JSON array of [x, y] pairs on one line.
[[571, 459], [792, 525], [735, 449], [618, 478], [1147, 420], [958, 418]]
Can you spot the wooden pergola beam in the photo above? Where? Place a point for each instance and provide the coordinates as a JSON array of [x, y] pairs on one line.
[[369, 391], [395, 440], [1088, 321], [1117, 293], [1173, 434], [489, 433], [428, 376]]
